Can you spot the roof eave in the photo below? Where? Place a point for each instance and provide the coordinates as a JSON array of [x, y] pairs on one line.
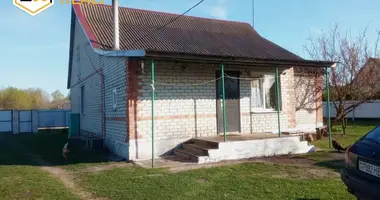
[[237, 60], [120, 53], [91, 38]]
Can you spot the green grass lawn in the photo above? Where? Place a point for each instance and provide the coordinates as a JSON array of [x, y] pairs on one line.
[[48, 145], [20, 178], [355, 130], [329, 158], [242, 181]]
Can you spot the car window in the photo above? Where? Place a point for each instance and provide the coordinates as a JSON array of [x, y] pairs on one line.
[[373, 135]]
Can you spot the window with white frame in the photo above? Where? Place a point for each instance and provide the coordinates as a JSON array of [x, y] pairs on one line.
[[114, 99], [263, 94]]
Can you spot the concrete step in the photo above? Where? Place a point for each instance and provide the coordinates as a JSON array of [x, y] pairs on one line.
[[304, 150], [195, 149], [304, 144], [204, 143], [186, 155]]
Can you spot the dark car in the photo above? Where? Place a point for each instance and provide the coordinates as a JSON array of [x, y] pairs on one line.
[[362, 166]]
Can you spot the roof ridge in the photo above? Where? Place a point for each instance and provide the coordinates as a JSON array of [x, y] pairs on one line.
[[174, 14]]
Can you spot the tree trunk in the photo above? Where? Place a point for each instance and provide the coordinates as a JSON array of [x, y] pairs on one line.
[[344, 124]]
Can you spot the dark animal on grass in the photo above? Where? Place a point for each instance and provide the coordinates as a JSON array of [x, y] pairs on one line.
[[338, 146]]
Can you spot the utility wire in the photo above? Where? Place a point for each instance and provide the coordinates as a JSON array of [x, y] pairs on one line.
[[89, 58], [161, 27], [156, 30], [238, 78], [171, 21], [186, 85]]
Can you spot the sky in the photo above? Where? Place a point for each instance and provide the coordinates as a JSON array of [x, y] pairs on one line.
[[34, 50]]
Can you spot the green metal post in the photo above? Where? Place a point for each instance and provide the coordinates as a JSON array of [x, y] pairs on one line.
[[224, 104], [153, 97], [328, 105], [278, 101]]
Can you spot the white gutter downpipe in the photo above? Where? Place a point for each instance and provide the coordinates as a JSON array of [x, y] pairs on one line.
[[115, 6]]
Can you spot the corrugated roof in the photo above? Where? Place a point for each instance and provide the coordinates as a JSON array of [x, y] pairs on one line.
[[186, 35]]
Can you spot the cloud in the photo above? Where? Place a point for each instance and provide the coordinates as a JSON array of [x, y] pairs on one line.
[[314, 31], [219, 10]]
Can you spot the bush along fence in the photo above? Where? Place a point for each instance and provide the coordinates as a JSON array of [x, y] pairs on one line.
[[30, 121]]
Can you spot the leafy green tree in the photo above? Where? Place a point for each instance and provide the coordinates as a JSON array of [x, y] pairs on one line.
[[13, 98], [57, 96]]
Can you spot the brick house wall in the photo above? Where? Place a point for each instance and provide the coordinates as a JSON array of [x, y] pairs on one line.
[[115, 72], [309, 100], [110, 75], [183, 111], [84, 75]]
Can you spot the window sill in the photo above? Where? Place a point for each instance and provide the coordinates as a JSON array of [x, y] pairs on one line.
[[263, 111]]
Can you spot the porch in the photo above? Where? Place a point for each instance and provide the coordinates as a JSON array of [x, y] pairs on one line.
[[240, 146], [201, 100]]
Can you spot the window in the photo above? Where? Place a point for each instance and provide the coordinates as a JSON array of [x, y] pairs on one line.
[[114, 99], [82, 100], [263, 94]]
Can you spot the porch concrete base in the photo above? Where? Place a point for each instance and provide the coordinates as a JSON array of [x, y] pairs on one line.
[[141, 149], [307, 128], [235, 150], [119, 148]]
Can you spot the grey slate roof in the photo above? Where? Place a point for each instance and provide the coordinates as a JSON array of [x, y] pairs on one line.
[[186, 35]]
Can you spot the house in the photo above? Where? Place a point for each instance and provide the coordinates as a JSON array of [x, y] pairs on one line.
[[112, 89], [366, 79]]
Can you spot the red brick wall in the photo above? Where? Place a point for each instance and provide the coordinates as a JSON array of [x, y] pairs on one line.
[[132, 96], [319, 100]]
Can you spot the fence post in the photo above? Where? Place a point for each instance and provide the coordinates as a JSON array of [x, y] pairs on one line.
[[35, 121], [153, 99], [328, 105], [278, 101], [15, 122]]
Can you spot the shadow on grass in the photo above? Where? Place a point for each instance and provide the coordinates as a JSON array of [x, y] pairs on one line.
[[329, 159], [46, 145], [335, 165]]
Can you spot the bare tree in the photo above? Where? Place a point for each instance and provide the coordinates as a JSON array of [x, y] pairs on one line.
[[355, 75]]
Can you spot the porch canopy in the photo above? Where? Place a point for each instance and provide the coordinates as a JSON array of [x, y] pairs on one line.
[[156, 35]]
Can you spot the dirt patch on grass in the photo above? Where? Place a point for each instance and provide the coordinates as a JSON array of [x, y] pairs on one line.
[[306, 173], [68, 181], [106, 167], [66, 178], [272, 160], [289, 160], [310, 167]]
